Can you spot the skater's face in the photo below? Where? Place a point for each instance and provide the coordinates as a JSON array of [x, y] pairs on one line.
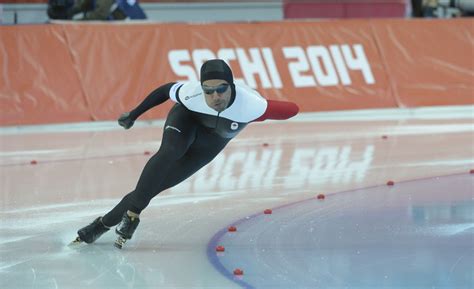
[[217, 93]]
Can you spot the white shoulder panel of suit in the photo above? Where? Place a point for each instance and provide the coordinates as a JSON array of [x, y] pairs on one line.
[[248, 104]]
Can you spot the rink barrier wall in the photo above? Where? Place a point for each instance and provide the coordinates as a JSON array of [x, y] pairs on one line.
[[71, 72]]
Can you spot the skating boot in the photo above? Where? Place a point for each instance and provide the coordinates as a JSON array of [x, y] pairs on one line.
[[126, 228], [91, 232]]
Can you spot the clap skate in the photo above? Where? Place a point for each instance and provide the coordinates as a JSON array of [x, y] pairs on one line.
[[90, 233], [125, 229]]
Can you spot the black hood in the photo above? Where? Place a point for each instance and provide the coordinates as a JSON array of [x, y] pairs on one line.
[[216, 69]]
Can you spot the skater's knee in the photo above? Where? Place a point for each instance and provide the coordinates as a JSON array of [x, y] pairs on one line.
[[172, 151]]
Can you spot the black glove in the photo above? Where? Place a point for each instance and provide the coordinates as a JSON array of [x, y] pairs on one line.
[[125, 120]]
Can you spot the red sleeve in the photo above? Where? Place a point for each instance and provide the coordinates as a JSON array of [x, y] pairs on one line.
[[279, 110]]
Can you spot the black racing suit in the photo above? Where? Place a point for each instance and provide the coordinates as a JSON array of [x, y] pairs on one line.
[[193, 135]]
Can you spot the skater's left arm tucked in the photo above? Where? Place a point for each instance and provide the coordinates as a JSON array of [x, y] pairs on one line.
[[156, 97]]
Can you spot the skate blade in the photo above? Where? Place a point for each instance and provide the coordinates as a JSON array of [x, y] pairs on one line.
[[120, 242], [76, 242]]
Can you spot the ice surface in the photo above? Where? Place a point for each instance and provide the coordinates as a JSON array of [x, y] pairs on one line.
[[363, 235]]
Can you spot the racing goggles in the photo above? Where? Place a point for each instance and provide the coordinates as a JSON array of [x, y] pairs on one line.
[[219, 89]]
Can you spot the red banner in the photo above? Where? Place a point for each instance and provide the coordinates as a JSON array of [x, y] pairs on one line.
[[83, 71]]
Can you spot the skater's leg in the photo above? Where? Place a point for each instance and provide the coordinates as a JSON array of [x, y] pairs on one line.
[[114, 216], [204, 149], [179, 133], [195, 158], [202, 152]]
